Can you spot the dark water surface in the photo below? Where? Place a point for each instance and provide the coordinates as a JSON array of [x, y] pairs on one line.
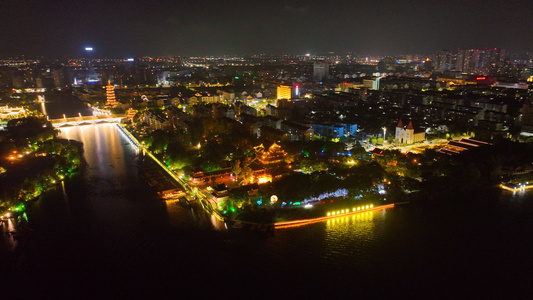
[[105, 235], [57, 105]]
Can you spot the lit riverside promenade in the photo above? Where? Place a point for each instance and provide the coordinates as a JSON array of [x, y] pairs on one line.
[[202, 199]]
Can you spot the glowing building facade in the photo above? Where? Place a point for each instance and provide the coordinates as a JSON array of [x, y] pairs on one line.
[[284, 92]]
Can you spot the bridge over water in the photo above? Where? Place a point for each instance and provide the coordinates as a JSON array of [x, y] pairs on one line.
[[87, 120]]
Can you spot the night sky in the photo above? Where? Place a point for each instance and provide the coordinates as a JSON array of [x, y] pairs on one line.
[[62, 28]]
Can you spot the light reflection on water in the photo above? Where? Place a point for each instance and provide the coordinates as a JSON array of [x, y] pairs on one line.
[[358, 225], [115, 193], [10, 226], [347, 238]]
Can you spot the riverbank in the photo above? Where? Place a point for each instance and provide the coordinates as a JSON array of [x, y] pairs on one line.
[[32, 171], [516, 187]]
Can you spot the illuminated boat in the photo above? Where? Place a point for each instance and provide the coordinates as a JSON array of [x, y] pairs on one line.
[[171, 194]]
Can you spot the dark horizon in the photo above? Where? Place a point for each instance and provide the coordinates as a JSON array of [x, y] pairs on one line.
[[59, 29]]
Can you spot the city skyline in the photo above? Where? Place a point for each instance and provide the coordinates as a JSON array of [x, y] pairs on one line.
[[136, 28]]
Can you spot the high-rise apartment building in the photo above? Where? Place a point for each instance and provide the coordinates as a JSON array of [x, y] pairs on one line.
[[494, 56], [465, 60], [445, 60], [320, 70], [478, 60]]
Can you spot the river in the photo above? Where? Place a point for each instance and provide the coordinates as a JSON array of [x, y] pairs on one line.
[[105, 234]]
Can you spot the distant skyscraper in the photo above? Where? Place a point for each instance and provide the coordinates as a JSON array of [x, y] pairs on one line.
[[478, 60], [493, 56], [320, 70], [92, 76], [465, 60], [445, 60]]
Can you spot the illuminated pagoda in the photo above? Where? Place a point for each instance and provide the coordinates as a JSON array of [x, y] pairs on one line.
[[110, 95], [131, 113], [274, 155]]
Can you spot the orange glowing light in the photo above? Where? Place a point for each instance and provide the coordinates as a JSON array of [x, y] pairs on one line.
[[264, 179], [296, 223]]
